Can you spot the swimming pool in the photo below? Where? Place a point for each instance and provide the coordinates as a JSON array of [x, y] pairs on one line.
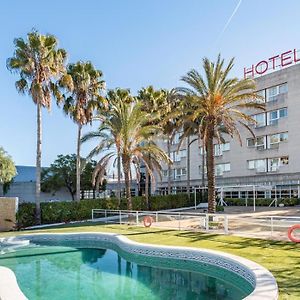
[[109, 266]]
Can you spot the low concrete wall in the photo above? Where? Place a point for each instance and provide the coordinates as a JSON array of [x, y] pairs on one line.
[[8, 209]]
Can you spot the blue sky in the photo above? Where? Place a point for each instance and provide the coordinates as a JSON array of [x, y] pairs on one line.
[[135, 43]]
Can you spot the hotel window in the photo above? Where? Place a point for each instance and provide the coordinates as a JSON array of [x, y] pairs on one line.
[[260, 165], [273, 92], [260, 120], [258, 142], [221, 168], [176, 138], [220, 148], [180, 172], [275, 163], [262, 94], [275, 115], [175, 156], [275, 139], [165, 173]]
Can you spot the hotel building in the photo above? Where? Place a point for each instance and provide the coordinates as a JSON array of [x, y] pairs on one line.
[[271, 160]]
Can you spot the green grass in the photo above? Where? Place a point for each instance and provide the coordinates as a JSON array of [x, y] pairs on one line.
[[281, 258]]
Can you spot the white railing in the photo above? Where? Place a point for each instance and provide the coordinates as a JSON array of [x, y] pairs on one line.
[[253, 226]]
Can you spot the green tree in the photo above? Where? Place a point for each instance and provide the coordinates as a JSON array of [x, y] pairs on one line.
[[126, 126], [39, 63], [218, 104], [84, 85], [62, 174], [7, 170]]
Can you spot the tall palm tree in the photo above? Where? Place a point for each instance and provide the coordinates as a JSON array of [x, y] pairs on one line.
[[113, 98], [84, 85], [152, 102], [39, 63], [169, 119], [218, 104], [129, 136]]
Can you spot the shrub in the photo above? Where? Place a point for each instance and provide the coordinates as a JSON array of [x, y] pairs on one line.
[[57, 212]]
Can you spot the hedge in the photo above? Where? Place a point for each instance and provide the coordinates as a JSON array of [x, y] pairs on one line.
[[261, 201], [56, 212]]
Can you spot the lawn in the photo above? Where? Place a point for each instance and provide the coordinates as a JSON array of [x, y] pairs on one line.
[[281, 258]]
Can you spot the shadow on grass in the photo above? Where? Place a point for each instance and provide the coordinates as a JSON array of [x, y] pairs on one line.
[[239, 242]]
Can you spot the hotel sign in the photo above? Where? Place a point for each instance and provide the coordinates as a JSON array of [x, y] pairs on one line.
[[272, 63]]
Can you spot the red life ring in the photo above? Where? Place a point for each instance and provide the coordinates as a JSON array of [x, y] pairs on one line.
[[290, 232], [147, 221]]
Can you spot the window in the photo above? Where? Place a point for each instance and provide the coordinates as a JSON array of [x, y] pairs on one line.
[[176, 138], [262, 94], [180, 172], [258, 142], [260, 120], [220, 148], [275, 163], [260, 165], [275, 139], [221, 168], [273, 92], [275, 115], [251, 142], [177, 156]]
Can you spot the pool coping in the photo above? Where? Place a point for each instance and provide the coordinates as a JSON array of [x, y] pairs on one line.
[[264, 283]]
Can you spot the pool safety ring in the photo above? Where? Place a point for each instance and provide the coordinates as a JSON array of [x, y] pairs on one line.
[[290, 233], [147, 221]]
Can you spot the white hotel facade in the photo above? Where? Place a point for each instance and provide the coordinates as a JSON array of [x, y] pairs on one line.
[[271, 161]]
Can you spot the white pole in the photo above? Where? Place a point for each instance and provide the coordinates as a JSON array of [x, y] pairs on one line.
[[195, 197], [254, 198]]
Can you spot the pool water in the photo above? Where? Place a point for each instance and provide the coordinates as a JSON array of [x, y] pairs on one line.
[[68, 273]]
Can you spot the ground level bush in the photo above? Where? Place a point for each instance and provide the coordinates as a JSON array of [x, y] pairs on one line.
[[56, 212]]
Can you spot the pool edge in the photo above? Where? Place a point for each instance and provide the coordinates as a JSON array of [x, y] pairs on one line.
[[265, 283]]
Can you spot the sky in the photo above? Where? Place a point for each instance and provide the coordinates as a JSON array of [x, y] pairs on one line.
[[135, 43]]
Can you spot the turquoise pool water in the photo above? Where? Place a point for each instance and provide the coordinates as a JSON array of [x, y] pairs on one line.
[[67, 273]]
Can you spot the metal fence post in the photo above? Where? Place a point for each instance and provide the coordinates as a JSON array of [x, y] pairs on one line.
[[120, 217], [92, 214], [179, 225], [226, 224], [156, 217], [105, 215], [137, 218]]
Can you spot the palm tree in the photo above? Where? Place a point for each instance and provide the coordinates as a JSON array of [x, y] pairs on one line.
[[218, 104], [113, 98], [169, 120], [126, 133], [84, 85], [152, 101], [39, 63]]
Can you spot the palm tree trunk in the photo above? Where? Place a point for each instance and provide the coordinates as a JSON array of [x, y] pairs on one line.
[[210, 160], [188, 167], [119, 178], [169, 165], [147, 187], [78, 164], [203, 173], [126, 170], [38, 165]]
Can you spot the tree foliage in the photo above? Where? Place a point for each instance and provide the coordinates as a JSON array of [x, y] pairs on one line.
[[218, 104], [7, 170], [62, 174]]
